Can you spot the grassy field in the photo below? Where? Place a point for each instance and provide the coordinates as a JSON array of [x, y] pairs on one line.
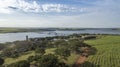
[[23, 57], [15, 30], [108, 52]]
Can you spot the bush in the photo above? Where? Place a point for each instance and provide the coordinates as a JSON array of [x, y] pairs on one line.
[[34, 58], [2, 46], [10, 52], [22, 63], [48, 61], [63, 52], [1, 61], [41, 51]]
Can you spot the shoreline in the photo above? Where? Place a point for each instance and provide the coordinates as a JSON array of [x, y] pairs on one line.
[[59, 36]]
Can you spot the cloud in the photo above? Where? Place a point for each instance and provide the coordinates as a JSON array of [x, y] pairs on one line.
[[53, 7], [11, 6], [4, 6], [27, 6]]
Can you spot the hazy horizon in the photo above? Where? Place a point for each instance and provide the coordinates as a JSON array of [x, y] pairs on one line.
[[60, 13]]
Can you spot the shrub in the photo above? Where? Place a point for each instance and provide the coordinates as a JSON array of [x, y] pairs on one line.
[[1, 61], [22, 63]]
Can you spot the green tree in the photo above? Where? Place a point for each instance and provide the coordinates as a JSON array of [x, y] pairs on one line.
[[60, 43], [22, 63], [1, 61], [34, 58], [40, 51], [48, 61], [75, 45], [63, 52], [2, 46], [10, 52]]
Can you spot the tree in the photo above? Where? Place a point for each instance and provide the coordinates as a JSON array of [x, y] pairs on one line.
[[34, 58], [75, 45], [22, 63], [41, 51], [10, 52], [63, 52], [60, 43], [1, 61], [2, 46], [48, 61]]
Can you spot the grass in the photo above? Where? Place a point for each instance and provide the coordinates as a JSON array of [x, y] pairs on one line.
[[6, 30], [15, 30], [50, 51], [23, 57], [26, 55], [0, 51], [72, 59], [108, 52]]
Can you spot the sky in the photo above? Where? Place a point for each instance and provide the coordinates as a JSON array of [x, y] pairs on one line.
[[60, 13]]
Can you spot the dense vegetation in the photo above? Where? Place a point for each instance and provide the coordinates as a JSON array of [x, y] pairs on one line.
[[63, 47]]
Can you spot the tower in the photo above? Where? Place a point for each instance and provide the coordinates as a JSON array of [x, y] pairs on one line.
[[26, 37]]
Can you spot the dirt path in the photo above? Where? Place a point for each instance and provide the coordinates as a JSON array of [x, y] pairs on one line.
[[82, 58], [80, 61]]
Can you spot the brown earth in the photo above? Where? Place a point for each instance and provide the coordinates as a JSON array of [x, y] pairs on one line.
[[82, 58]]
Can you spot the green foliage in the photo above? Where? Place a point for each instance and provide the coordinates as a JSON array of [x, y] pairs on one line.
[[24, 46], [74, 45], [10, 52], [20, 58], [40, 51], [34, 58], [63, 52], [20, 64], [31, 58], [60, 43], [1, 61], [2, 46], [50, 60], [62, 46]]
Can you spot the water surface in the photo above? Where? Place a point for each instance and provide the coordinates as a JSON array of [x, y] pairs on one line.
[[10, 37]]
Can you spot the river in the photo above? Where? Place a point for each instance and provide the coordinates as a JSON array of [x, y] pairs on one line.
[[10, 37]]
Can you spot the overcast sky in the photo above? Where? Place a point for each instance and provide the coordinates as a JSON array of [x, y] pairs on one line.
[[60, 13]]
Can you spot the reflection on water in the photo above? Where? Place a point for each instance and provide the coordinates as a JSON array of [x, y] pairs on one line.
[[10, 37]]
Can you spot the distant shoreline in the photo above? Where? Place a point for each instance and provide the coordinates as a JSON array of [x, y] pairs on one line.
[[17, 30]]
